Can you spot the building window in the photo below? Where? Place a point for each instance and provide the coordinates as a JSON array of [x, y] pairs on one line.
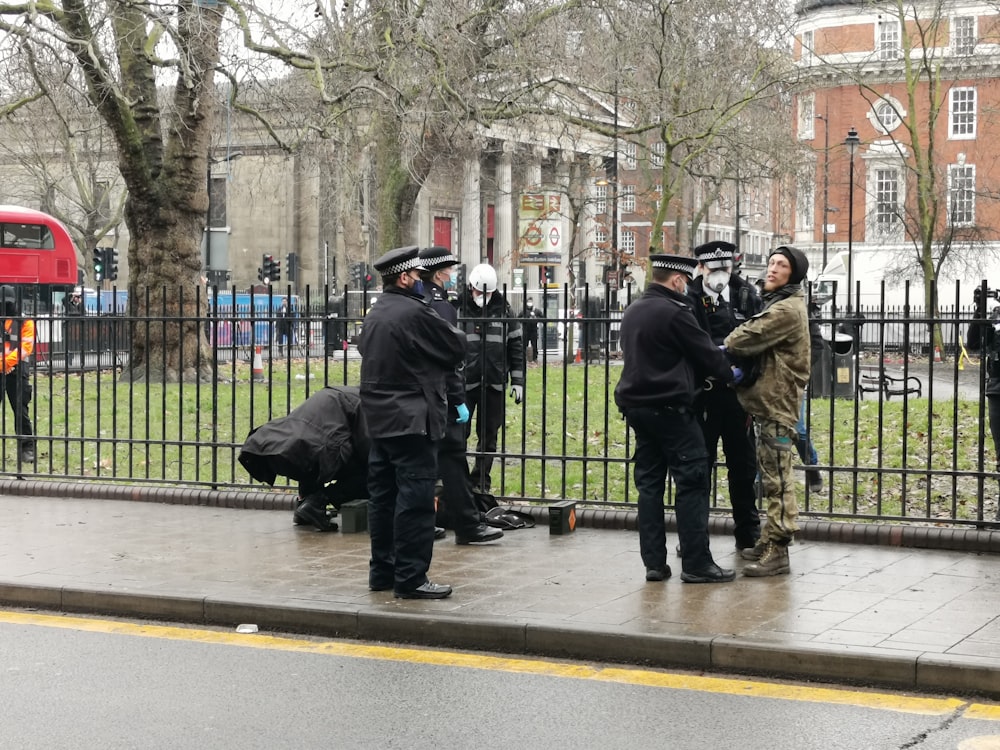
[[963, 35], [601, 235], [627, 243], [629, 160], [807, 117], [627, 205], [656, 154], [962, 113], [886, 200], [217, 199], [600, 199], [807, 48], [961, 195], [888, 40], [886, 116]]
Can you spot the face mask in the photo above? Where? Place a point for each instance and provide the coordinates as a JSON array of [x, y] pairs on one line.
[[418, 287], [451, 281], [479, 300], [717, 280]]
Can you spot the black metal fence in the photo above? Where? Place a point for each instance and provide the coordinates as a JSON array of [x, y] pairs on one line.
[[896, 411]]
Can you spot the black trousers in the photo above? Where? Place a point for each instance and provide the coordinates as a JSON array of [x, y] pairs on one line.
[[351, 484], [486, 405], [722, 417], [668, 439], [17, 388], [401, 475], [461, 512]]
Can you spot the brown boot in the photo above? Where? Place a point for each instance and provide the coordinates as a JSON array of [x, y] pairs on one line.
[[774, 562], [754, 553]]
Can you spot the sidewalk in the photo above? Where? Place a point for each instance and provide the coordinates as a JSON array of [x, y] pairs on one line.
[[918, 619]]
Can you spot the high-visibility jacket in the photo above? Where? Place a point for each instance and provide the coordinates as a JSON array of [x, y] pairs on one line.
[[17, 345]]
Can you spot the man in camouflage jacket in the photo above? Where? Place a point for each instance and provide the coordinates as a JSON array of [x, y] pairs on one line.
[[778, 337]]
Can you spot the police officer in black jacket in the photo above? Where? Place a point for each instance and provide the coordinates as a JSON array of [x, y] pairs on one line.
[[495, 352], [721, 301], [667, 357], [984, 335], [456, 495], [408, 351]]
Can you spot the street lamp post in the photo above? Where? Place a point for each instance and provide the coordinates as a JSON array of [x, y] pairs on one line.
[[210, 162], [852, 142], [614, 199]]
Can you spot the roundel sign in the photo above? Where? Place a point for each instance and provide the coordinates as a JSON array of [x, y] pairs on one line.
[[554, 236], [533, 235]]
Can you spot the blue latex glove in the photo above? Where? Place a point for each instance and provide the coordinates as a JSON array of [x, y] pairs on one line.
[[737, 375], [463, 414]]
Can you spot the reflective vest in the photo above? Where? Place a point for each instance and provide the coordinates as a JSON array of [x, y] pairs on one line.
[[17, 345]]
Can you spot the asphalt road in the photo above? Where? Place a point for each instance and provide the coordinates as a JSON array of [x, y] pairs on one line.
[[88, 683]]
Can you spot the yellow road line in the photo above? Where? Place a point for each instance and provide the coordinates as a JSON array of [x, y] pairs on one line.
[[641, 677]]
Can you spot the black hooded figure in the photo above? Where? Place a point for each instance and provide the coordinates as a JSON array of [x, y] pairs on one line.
[[18, 346]]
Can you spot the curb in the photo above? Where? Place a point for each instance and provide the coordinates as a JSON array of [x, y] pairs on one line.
[[925, 672], [926, 535]]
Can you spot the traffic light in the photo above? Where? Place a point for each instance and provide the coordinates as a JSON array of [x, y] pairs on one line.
[[99, 264], [110, 263], [267, 265], [357, 274], [260, 274], [292, 264], [547, 275], [275, 274], [366, 277]]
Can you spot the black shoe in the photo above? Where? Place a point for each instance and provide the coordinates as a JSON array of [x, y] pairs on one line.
[[481, 533], [815, 480], [712, 574], [377, 586], [658, 574], [27, 456], [439, 533], [307, 514], [427, 591]]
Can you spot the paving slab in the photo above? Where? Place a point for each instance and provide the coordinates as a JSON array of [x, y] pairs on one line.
[[923, 619]]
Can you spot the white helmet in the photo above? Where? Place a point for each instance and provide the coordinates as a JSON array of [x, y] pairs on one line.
[[483, 278]]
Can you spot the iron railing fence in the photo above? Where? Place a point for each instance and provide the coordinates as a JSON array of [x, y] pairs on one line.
[[898, 423]]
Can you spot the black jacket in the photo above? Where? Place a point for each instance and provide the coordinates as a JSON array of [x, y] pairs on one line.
[[667, 355], [984, 338], [437, 298], [495, 344], [407, 353], [721, 319], [319, 441]]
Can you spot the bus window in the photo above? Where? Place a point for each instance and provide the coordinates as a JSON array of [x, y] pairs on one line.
[[36, 236]]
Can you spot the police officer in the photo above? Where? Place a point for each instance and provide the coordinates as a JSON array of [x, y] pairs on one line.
[[456, 495], [18, 346], [667, 356], [495, 352], [984, 335], [407, 352], [74, 326], [722, 300]]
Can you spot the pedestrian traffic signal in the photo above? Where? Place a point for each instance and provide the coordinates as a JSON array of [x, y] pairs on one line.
[[98, 263]]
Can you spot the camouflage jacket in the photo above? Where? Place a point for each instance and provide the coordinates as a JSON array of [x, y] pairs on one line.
[[779, 337]]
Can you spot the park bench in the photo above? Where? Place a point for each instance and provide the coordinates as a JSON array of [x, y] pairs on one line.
[[876, 380]]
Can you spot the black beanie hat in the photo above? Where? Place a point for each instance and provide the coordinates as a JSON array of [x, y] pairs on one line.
[[798, 261]]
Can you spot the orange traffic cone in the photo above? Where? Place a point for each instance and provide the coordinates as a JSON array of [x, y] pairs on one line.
[[258, 366], [937, 354], [579, 356]]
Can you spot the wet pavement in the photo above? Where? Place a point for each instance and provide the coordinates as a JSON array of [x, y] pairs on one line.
[[921, 619]]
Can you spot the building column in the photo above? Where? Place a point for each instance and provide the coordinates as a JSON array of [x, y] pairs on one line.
[[503, 216], [471, 220]]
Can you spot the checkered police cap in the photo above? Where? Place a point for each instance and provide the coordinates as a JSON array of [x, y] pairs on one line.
[[715, 254], [436, 258], [398, 260], [680, 263]]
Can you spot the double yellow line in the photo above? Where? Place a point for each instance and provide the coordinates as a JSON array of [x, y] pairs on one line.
[[642, 677]]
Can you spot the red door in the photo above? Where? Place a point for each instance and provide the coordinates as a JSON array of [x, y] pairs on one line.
[[442, 231]]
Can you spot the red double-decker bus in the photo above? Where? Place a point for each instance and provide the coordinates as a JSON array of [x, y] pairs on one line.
[[36, 254], [38, 258]]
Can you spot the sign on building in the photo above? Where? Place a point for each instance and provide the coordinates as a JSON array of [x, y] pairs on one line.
[[540, 223]]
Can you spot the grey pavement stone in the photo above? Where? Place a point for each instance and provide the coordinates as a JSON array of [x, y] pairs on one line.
[[926, 619]]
